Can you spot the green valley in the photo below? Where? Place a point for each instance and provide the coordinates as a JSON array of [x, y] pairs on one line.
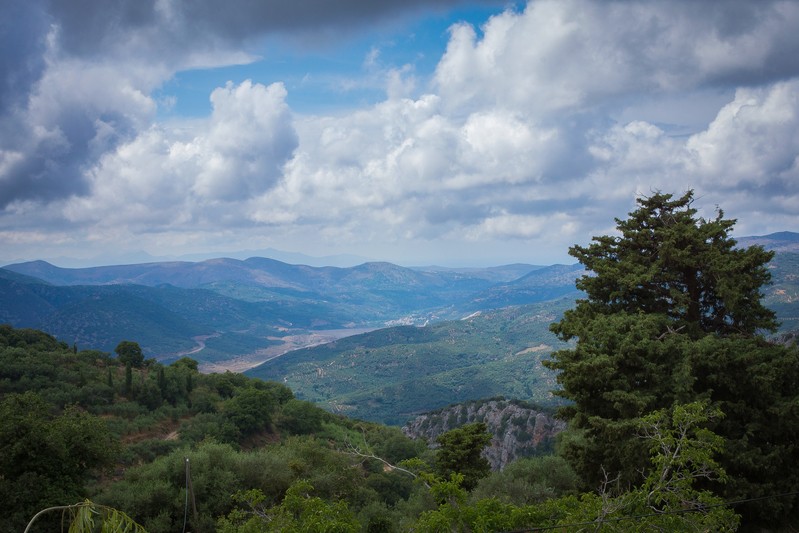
[[378, 375]]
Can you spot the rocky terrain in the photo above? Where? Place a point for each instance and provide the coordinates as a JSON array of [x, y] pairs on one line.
[[519, 429]]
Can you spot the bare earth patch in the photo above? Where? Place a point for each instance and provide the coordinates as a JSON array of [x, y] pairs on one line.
[[533, 349]]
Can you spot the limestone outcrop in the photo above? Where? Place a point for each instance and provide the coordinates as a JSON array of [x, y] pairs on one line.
[[518, 429]]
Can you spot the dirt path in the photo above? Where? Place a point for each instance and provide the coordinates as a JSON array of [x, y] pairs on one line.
[[200, 340]]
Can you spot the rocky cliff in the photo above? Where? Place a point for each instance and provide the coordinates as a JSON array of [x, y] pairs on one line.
[[518, 429]]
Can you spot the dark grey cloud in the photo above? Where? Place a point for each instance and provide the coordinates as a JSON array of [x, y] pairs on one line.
[[23, 28], [735, 20], [740, 24], [43, 158], [52, 166], [89, 26], [46, 171], [246, 17]]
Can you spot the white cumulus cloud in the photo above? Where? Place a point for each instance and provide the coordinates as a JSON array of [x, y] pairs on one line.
[[533, 130]]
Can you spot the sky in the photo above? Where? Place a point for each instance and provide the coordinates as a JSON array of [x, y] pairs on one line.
[[447, 132]]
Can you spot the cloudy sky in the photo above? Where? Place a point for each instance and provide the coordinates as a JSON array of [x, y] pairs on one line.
[[419, 132]]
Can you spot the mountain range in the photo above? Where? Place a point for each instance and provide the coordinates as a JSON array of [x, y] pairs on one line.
[[241, 307], [362, 340]]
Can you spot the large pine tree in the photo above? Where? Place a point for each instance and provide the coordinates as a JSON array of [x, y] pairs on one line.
[[672, 314]]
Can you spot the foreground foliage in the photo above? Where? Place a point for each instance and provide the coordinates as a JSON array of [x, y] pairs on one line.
[[52, 452], [682, 453], [87, 517], [339, 475]]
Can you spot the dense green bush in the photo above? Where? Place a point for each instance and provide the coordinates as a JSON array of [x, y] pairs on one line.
[[529, 480], [46, 456]]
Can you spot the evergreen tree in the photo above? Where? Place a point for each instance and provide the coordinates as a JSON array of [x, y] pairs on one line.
[[461, 452], [162, 385], [672, 314], [130, 352], [668, 262], [128, 378]]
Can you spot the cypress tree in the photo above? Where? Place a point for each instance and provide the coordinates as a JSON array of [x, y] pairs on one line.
[[128, 378]]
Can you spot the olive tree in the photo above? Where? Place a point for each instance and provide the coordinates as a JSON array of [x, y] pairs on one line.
[[130, 352]]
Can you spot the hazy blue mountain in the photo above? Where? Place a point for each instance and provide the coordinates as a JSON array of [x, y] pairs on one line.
[[496, 274], [178, 273], [256, 271], [226, 308], [20, 278], [370, 293], [540, 285], [164, 320], [245, 306], [783, 241]]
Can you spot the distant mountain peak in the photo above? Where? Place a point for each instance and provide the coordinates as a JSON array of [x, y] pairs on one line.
[[781, 241]]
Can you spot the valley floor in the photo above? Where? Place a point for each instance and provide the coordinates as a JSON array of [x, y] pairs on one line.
[[289, 343]]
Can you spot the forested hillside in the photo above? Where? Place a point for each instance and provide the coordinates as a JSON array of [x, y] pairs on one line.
[[170, 449], [80, 423], [377, 375], [782, 295]]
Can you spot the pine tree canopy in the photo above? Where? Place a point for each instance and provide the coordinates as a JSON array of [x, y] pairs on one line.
[[667, 261], [672, 314]]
